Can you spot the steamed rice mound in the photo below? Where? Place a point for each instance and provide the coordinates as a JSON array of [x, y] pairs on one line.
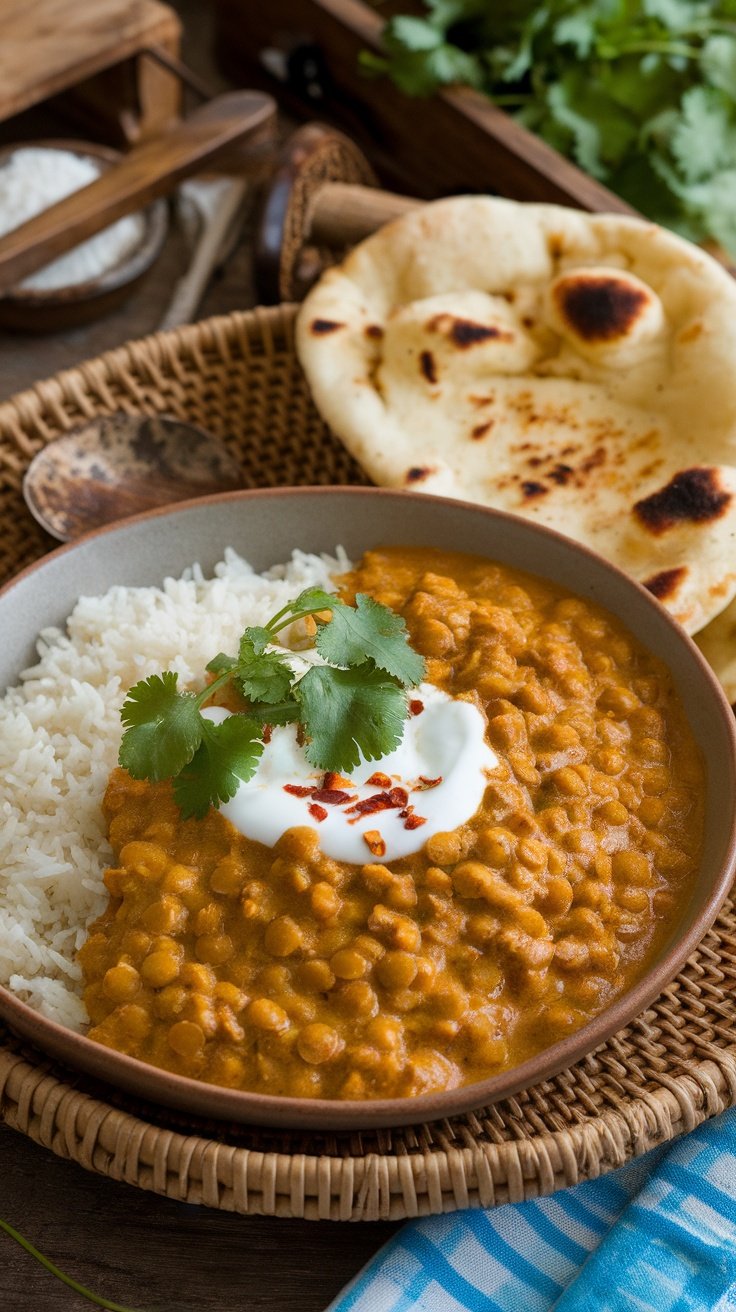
[[59, 736]]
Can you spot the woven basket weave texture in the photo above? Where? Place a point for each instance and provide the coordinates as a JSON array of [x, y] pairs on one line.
[[671, 1068]]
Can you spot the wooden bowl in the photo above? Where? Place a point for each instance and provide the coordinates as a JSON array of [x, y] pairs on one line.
[[48, 311], [265, 526]]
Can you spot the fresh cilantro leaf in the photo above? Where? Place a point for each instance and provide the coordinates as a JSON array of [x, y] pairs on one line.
[[315, 599], [220, 663], [408, 33], [254, 641], [265, 678], [343, 711], [675, 15], [577, 30], [349, 712], [601, 130], [446, 13], [718, 62], [591, 79], [370, 632], [163, 728], [702, 140], [228, 753]]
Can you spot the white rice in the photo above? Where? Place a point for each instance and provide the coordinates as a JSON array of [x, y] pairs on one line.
[[59, 737]]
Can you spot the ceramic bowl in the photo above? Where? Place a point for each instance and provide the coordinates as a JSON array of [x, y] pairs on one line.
[[26, 309], [264, 527]]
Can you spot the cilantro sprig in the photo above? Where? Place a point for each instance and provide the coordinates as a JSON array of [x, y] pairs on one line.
[[354, 704], [640, 93]]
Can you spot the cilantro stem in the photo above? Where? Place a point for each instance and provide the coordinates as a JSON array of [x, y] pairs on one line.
[[275, 618], [97, 1299], [268, 712], [291, 619], [648, 48], [207, 691]]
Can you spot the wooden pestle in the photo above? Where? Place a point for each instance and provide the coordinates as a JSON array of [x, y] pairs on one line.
[[148, 171], [341, 214]]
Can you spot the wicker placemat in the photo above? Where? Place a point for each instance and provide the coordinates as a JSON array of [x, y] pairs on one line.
[[664, 1074]]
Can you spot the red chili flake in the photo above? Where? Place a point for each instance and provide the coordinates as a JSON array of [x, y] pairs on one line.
[[333, 796], [375, 842], [424, 783], [333, 780], [379, 780], [318, 812], [267, 731], [416, 707], [412, 821], [379, 802], [296, 790], [406, 811]]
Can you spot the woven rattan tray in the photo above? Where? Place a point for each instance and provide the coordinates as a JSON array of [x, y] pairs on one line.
[[664, 1074]]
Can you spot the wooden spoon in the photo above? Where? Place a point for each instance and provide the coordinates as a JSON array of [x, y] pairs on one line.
[[120, 464]]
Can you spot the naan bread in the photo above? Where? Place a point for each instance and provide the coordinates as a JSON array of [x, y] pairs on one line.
[[717, 641], [578, 369]]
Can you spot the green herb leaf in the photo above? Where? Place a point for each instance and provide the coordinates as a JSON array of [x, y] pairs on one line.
[[221, 662], [228, 753], [254, 641], [314, 599], [409, 33], [349, 712], [370, 632], [591, 79], [265, 678], [343, 711], [702, 139], [719, 63], [163, 728]]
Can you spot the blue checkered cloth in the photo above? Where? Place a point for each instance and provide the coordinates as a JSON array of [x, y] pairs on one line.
[[659, 1235]]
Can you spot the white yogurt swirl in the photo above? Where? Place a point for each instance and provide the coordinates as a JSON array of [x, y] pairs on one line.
[[432, 782]]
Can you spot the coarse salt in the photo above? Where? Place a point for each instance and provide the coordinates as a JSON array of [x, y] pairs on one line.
[[34, 178]]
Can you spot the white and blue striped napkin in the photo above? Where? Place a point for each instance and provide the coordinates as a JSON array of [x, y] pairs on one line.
[[659, 1235]]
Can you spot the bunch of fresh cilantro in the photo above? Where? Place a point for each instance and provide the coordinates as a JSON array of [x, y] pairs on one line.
[[640, 93], [353, 705]]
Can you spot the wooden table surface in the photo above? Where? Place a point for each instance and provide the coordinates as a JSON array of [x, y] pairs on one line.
[[132, 1247]]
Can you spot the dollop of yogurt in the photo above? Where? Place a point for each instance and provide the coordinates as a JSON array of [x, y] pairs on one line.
[[432, 782]]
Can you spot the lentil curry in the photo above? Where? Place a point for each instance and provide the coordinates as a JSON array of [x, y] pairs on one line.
[[285, 972]]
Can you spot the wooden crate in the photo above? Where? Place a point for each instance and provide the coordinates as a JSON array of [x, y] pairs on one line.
[[91, 55], [453, 142]]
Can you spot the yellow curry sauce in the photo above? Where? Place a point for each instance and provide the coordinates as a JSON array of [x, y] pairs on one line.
[[285, 972]]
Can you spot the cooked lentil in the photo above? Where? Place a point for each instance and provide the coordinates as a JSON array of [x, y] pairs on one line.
[[285, 972]]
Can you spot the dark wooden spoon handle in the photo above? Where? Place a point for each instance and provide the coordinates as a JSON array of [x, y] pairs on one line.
[[148, 171]]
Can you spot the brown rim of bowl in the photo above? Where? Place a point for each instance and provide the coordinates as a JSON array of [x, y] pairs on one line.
[[131, 266], [209, 1101]]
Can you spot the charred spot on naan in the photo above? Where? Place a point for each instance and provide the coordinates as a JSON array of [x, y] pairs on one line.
[[321, 327], [693, 496], [665, 584], [374, 331], [479, 431], [599, 308], [466, 332], [531, 489], [428, 366], [418, 474]]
